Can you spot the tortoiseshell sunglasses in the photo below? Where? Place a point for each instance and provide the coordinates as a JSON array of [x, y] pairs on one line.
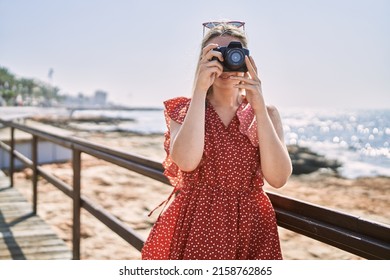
[[212, 24]]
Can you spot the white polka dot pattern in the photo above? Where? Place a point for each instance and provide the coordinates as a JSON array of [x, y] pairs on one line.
[[221, 211]]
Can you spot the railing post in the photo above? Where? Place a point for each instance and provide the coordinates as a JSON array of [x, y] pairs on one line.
[[12, 157], [76, 203], [34, 157]]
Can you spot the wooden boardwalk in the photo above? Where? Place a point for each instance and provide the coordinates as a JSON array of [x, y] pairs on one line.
[[23, 235]]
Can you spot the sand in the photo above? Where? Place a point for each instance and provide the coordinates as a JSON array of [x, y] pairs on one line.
[[131, 197]]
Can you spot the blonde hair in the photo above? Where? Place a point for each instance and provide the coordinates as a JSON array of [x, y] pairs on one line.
[[223, 29]]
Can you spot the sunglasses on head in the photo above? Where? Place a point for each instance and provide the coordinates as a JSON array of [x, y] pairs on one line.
[[212, 24]]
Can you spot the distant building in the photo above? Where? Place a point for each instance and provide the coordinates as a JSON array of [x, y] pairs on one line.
[[100, 98]]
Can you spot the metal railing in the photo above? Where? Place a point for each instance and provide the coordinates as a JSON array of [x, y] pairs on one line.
[[353, 234]]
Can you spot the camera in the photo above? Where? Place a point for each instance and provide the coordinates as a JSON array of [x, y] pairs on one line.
[[234, 57]]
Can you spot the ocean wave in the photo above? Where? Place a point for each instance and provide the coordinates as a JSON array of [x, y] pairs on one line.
[[359, 139]]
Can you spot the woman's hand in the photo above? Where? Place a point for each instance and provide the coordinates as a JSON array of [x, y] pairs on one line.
[[252, 85], [208, 69]]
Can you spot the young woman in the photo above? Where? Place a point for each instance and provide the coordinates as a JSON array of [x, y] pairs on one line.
[[221, 144]]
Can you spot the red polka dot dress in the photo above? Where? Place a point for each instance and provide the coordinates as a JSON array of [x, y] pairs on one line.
[[221, 211]]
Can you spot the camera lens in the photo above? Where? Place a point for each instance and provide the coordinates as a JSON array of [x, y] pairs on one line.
[[235, 58]]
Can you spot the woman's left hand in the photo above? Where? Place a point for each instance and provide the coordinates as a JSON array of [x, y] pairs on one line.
[[252, 85]]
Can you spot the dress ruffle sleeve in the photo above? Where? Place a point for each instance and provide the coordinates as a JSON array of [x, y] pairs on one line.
[[248, 124], [175, 109]]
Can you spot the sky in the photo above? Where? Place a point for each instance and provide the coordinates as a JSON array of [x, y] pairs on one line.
[[325, 54]]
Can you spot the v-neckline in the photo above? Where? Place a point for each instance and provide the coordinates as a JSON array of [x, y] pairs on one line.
[[226, 127]]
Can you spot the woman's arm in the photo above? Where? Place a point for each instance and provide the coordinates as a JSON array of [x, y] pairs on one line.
[[187, 139], [275, 160]]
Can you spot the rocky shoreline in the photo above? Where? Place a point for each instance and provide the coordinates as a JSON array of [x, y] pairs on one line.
[[305, 161]]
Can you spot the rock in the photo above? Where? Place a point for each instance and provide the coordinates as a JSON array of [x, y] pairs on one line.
[[305, 161]]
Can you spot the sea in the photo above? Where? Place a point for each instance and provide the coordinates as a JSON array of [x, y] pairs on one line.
[[358, 138]]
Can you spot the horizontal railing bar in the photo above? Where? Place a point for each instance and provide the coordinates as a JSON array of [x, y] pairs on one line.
[[28, 162], [346, 240], [126, 160], [121, 154], [330, 216], [141, 169], [71, 140], [124, 231], [5, 147], [60, 140], [61, 185]]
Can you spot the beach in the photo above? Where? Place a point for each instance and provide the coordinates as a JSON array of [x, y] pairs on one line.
[[130, 197]]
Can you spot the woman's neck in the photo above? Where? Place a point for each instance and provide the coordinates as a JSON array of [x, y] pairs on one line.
[[227, 99]]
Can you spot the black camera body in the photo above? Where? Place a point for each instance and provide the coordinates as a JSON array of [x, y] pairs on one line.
[[234, 57]]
